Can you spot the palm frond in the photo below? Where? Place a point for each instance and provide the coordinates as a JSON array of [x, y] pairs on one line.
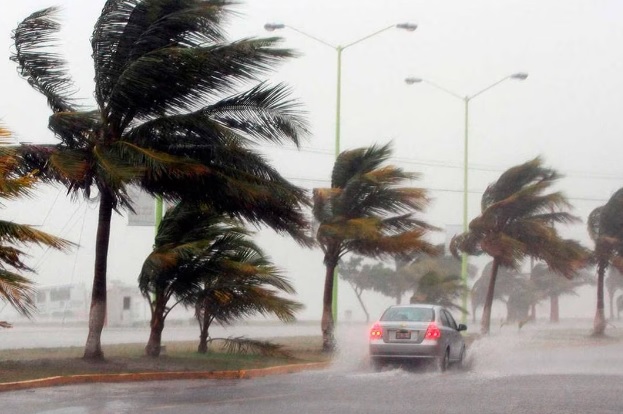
[[242, 345], [45, 71], [17, 291], [127, 29]]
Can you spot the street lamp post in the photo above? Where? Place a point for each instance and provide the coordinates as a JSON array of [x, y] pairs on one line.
[[466, 100], [339, 49]]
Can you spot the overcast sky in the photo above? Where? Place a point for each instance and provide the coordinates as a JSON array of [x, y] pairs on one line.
[[567, 111]]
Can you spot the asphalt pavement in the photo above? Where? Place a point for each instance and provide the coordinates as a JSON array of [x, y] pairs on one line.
[[510, 372]]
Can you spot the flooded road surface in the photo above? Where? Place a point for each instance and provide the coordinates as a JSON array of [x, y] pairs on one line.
[[537, 370]]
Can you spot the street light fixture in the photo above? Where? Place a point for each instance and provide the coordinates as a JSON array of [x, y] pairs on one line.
[[409, 27], [466, 100]]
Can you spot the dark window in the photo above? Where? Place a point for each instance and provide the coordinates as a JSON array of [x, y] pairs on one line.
[[444, 319], [408, 314], [451, 321], [126, 302]]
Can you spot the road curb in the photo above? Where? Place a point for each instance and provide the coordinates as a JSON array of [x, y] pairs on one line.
[[159, 376]]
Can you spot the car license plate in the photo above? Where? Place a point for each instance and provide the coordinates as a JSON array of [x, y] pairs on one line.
[[403, 334]]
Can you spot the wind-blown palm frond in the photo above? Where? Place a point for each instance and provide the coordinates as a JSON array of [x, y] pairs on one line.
[[16, 289], [45, 70]]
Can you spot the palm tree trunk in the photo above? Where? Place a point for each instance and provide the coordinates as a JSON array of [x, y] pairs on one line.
[[154, 344], [599, 324], [554, 309], [485, 322], [327, 323], [203, 334], [97, 315], [533, 312]]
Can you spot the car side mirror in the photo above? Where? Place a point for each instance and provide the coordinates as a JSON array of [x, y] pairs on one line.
[[461, 327]]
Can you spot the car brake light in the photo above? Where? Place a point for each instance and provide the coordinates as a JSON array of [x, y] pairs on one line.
[[432, 332], [376, 332]]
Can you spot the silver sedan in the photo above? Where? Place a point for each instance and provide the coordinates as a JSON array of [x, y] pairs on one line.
[[417, 331]]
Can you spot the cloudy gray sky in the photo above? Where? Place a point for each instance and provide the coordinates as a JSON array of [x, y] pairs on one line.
[[567, 111]]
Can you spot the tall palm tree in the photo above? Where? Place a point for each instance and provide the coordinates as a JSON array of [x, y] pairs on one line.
[[605, 226], [168, 117], [366, 211], [15, 288], [196, 247], [517, 220]]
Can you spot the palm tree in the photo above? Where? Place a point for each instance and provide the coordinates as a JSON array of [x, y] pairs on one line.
[[366, 212], [605, 226], [16, 289], [195, 248], [248, 284], [518, 220], [166, 118]]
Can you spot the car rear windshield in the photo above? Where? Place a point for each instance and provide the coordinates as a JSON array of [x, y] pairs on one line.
[[409, 314]]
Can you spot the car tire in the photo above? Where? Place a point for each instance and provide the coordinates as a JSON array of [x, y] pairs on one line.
[[443, 360]]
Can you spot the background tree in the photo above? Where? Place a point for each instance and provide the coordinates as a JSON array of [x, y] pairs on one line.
[[359, 278], [506, 283], [436, 279], [16, 289], [551, 285], [366, 211], [605, 226], [518, 220], [166, 118]]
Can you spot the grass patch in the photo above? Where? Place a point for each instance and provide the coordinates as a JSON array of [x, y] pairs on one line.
[[28, 364]]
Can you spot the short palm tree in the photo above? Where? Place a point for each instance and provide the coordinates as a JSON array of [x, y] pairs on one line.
[[517, 220], [16, 289], [168, 117], [605, 226], [246, 284], [368, 212], [205, 260]]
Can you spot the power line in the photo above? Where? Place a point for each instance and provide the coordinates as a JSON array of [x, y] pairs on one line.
[[453, 165], [326, 181]]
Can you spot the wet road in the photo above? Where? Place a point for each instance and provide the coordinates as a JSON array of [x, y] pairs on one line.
[[505, 374]]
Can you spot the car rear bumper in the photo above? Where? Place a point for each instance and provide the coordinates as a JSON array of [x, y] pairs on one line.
[[380, 349]]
